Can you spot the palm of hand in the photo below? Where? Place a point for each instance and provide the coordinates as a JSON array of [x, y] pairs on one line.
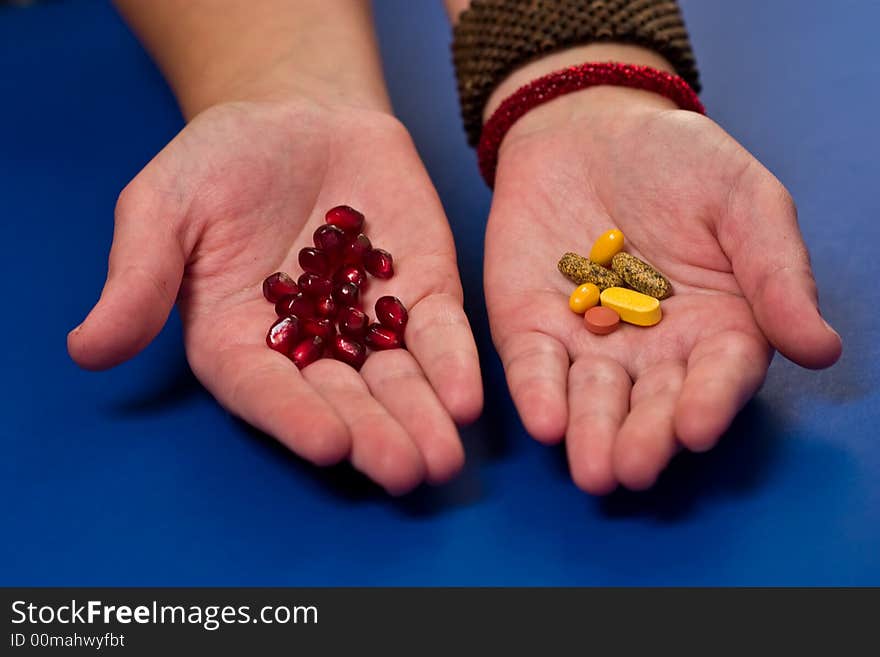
[[675, 184], [235, 197]]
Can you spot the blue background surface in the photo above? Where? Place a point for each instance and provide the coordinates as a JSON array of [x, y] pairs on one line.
[[137, 477]]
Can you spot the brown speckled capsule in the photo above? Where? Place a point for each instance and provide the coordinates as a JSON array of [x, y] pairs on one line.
[[580, 270], [641, 276]]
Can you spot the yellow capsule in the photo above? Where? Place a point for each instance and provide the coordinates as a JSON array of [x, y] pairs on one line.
[[633, 307], [583, 298], [609, 244]]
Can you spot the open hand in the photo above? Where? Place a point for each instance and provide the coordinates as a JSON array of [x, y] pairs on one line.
[[232, 199], [697, 206]]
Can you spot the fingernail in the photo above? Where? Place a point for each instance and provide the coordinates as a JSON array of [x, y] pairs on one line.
[[829, 327]]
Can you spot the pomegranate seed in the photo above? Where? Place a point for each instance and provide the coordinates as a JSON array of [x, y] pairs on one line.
[[322, 327], [379, 263], [283, 334], [392, 313], [345, 217], [326, 307], [279, 285], [330, 239], [299, 305], [348, 351], [320, 312], [346, 294], [357, 249], [351, 274], [314, 285], [381, 337], [314, 261], [353, 322], [307, 351]]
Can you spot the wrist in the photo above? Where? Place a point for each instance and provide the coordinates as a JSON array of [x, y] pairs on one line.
[[281, 81], [590, 106], [594, 52], [229, 50]]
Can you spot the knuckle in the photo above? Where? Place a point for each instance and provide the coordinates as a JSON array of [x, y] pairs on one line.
[[133, 197], [529, 349], [600, 371]]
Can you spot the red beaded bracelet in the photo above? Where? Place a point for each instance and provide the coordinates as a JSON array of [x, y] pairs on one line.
[[567, 80]]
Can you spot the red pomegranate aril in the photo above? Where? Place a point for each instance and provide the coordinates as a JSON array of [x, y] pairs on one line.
[[357, 249], [326, 307], [353, 322], [381, 337], [346, 294], [348, 351], [322, 327], [320, 314], [330, 239], [307, 351], [314, 285], [392, 313], [279, 285], [315, 261], [351, 274], [379, 263], [345, 217], [283, 334], [299, 305]]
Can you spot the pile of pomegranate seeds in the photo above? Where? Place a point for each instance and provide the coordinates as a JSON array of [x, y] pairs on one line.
[[320, 313]]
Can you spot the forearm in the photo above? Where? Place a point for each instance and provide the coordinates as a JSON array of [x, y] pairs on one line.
[[212, 51]]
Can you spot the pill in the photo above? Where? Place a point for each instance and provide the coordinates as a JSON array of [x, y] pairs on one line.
[[607, 246], [633, 307], [641, 276], [580, 270], [583, 298], [601, 320]]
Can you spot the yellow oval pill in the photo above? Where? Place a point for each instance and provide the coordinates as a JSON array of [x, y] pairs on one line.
[[583, 298], [609, 244], [633, 307]]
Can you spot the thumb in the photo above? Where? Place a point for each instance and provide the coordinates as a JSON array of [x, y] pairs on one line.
[[770, 261], [143, 276]]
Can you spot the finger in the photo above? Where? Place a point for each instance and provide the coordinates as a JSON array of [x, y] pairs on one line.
[[646, 441], [380, 448], [760, 234], [266, 390], [723, 373], [439, 336], [143, 277], [536, 366], [598, 400], [398, 383]]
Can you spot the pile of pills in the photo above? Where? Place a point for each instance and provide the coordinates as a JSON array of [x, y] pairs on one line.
[[320, 314], [627, 288]]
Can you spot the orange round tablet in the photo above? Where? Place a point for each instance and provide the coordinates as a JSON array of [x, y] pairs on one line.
[[601, 320]]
